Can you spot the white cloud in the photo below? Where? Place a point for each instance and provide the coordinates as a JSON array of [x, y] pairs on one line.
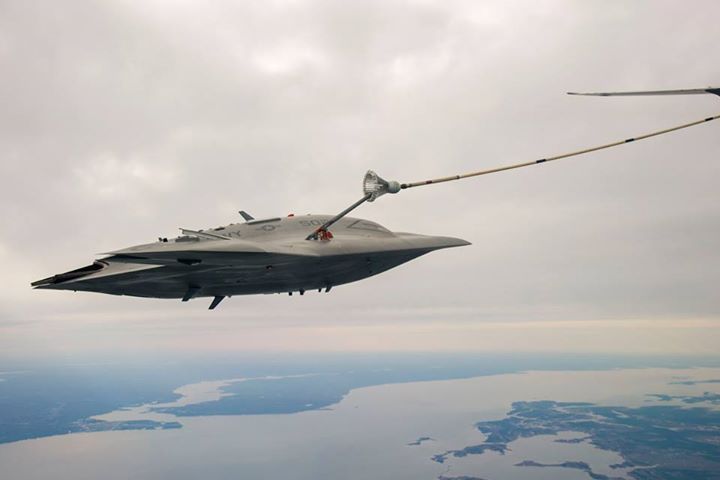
[[107, 175], [287, 59]]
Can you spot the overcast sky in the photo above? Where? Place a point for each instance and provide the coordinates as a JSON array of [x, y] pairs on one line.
[[121, 121]]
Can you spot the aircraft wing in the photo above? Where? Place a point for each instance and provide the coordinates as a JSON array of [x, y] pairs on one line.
[[691, 91]]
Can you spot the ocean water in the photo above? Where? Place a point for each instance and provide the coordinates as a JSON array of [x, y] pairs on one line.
[[364, 436]]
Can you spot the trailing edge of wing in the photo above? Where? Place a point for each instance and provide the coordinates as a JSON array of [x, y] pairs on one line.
[[691, 91], [98, 270]]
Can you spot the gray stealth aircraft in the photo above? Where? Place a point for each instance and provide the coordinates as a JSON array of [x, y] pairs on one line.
[[291, 254], [258, 256]]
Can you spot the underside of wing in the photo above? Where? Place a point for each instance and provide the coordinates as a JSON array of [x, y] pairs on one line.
[[276, 275]]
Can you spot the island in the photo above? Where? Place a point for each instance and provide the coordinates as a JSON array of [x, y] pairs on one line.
[[706, 397], [420, 441], [94, 425]]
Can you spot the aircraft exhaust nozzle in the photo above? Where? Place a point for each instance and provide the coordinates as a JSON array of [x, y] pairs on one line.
[[375, 186]]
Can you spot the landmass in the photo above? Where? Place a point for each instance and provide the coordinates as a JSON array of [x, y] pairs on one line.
[[56, 401], [461, 477], [569, 464], [420, 441], [658, 442], [695, 382], [500, 448], [573, 440], [706, 397]]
